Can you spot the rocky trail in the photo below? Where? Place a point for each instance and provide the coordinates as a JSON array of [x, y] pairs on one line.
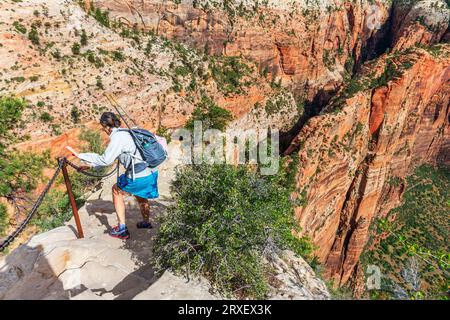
[[57, 265], [359, 91]]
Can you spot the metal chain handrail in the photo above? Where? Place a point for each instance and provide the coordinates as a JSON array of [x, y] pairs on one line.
[[33, 210], [89, 174], [61, 162]]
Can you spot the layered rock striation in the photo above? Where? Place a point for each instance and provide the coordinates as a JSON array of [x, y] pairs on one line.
[[354, 156]]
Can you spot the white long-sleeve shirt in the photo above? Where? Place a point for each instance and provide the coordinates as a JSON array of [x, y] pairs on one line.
[[121, 145]]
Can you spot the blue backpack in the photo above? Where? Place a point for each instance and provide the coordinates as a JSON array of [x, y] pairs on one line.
[[151, 151]]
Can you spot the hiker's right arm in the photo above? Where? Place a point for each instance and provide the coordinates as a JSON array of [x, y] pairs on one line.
[[111, 153]]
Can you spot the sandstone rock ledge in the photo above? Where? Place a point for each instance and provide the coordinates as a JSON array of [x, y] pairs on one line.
[[294, 279], [57, 265]]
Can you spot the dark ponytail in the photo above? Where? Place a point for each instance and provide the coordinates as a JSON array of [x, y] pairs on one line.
[[109, 119]]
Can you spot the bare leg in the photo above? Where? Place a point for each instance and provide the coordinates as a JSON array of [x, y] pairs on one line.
[[144, 207], [119, 203]]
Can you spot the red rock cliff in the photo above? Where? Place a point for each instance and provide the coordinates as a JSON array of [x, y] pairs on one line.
[[349, 156]]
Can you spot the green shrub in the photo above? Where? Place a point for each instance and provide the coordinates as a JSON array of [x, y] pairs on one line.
[[265, 72], [56, 54], [94, 140], [18, 79], [421, 230], [99, 83], [46, 117], [211, 115], [76, 48], [10, 113], [435, 50], [75, 114], [222, 220], [229, 74], [164, 132], [276, 104], [56, 209], [3, 219], [355, 85], [92, 58], [182, 71], [33, 36], [21, 170], [118, 56], [19, 27]]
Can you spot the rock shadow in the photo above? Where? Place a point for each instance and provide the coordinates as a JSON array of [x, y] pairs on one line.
[[26, 274], [139, 244]]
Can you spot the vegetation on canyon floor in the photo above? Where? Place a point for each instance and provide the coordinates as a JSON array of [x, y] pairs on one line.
[[210, 114], [410, 245], [395, 64]]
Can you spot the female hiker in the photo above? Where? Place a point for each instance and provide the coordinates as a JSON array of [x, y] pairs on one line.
[[142, 184]]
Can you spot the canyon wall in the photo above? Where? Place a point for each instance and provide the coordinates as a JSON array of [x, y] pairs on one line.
[[353, 160], [353, 155], [309, 46]]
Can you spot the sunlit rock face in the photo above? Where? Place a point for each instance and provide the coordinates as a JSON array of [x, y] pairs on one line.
[[306, 44], [348, 158], [70, 86]]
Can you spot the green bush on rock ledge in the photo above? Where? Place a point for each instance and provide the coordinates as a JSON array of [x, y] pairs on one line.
[[222, 220], [3, 219]]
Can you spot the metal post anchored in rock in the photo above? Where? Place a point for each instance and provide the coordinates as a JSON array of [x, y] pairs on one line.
[[71, 198]]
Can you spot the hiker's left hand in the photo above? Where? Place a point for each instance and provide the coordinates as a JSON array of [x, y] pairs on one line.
[[84, 167], [70, 149]]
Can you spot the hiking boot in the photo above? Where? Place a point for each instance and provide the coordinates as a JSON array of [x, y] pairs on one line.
[[121, 234], [144, 225]]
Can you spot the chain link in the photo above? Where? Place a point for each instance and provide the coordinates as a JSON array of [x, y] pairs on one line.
[[34, 209], [61, 163], [89, 174]]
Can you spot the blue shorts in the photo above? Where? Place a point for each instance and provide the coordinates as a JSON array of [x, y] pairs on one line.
[[143, 187]]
